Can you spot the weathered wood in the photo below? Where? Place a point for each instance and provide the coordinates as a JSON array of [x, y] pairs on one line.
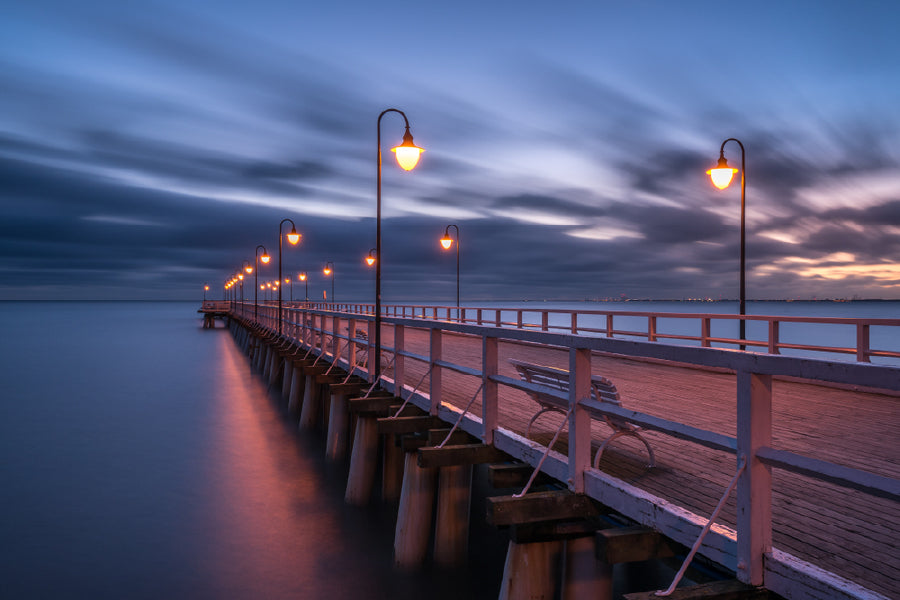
[[585, 576], [363, 462], [373, 405], [531, 571], [514, 475], [407, 424], [451, 533], [464, 454], [631, 544], [413, 529], [546, 531], [729, 589], [348, 389], [437, 436], [539, 506], [336, 376]]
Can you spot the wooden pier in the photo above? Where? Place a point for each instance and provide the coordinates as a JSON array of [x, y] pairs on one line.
[[816, 512]]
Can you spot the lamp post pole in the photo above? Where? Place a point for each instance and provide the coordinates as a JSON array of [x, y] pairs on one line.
[[293, 238], [407, 155], [305, 280], [330, 271], [265, 257], [721, 176], [446, 242]]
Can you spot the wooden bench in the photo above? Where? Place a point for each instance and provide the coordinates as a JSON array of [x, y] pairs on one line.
[[602, 389]]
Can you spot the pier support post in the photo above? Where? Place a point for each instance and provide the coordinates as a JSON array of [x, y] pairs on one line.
[[414, 514], [287, 376], [338, 423], [274, 367], [451, 536], [586, 576], [295, 397], [363, 462], [392, 475], [531, 570], [309, 413]]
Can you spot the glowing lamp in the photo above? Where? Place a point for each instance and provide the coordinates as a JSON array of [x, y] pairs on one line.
[[302, 276], [370, 260], [205, 288], [265, 258], [293, 237], [721, 175], [241, 277], [327, 271], [446, 242], [407, 152], [287, 280], [249, 269]]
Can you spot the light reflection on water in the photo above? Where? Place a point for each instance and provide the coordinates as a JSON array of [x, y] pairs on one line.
[[142, 459]]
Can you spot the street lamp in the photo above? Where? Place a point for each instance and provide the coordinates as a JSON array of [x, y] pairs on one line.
[[721, 176], [330, 271], [446, 243], [293, 237], [205, 289], [265, 258], [407, 154], [370, 259], [302, 277]]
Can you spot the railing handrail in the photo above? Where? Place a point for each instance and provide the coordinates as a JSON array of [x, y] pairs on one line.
[[771, 344]]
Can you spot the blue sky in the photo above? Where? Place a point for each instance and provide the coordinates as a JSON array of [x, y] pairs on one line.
[[147, 149]]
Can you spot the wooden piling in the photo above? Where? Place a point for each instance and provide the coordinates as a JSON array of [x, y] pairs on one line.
[[585, 575], [309, 412], [413, 530], [392, 470], [286, 377], [531, 570], [363, 462], [338, 423], [451, 537], [295, 396]]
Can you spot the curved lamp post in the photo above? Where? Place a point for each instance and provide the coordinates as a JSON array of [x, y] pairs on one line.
[[446, 244], [302, 277], [265, 258], [407, 154], [293, 237], [721, 176], [330, 271]]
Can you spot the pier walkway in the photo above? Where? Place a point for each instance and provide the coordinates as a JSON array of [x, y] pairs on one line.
[[816, 513]]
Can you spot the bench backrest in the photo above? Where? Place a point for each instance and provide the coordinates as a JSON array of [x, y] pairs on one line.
[[602, 389]]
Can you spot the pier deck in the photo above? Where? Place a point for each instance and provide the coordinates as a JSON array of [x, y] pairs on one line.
[[849, 533]]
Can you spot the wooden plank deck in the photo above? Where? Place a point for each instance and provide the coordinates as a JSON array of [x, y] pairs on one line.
[[848, 533]]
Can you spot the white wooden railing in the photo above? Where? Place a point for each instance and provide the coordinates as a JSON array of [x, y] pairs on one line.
[[748, 551], [706, 330]]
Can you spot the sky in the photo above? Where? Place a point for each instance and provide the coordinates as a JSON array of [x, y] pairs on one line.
[[147, 149]]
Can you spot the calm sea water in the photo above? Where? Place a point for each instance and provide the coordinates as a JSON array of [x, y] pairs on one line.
[[140, 458]]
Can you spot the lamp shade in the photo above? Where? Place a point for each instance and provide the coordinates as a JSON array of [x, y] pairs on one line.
[[370, 260], [407, 152], [293, 237], [446, 242], [721, 175], [265, 258]]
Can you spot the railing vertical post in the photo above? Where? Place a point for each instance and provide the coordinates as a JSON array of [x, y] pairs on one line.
[[335, 340], [609, 326], [461, 315], [478, 314], [651, 328], [489, 397], [704, 332], [545, 321], [579, 419], [398, 360], [370, 353], [574, 323], [497, 320], [773, 337], [351, 346], [434, 388], [448, 313], [862, 342], [519, 319], [754, 487]]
